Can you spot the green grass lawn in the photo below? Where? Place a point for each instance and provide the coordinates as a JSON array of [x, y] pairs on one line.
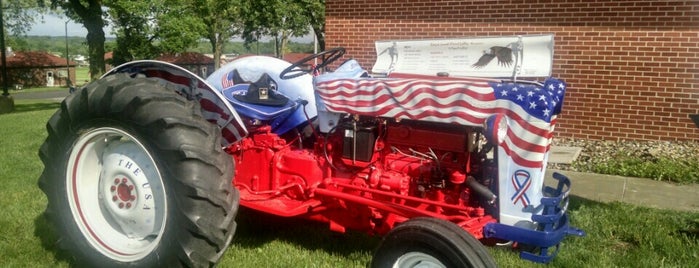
[[82, 74], [619, 235], [38, 89]]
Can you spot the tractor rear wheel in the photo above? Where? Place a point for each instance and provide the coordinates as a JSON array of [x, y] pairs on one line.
[[430, 242], [135, 176]]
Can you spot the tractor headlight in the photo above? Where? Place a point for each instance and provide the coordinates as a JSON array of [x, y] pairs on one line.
[[495, 128]]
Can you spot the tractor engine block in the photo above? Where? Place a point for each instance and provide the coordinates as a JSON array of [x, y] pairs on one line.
[[414, 158], [430, 167]]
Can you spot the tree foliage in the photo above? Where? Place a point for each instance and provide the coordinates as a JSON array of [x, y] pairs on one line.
[[315, 13], [18, 18], [20, 15], [178, 29], [280, 19], [221, 20], [146, 29], [131, 23]]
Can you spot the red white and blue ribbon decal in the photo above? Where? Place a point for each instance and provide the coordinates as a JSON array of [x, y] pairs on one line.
[[521, 180]]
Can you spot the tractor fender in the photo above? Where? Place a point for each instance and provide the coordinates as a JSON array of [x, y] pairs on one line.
[[214, 107]]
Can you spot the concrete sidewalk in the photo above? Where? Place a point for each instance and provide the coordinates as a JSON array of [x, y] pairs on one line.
[[49, 95], [637, 191]]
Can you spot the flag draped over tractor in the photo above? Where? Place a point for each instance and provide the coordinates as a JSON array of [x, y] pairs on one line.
[[530, 108]]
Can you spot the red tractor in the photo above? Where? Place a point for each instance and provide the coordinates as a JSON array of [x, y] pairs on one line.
[[139, 165]]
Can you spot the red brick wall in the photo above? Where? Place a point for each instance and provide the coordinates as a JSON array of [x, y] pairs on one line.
[[632, 66]]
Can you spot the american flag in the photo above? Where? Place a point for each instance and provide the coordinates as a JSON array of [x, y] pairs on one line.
[[227, 80], [531, 108]]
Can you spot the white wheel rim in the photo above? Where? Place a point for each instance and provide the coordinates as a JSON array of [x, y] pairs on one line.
[[116, 194], [417, 260]]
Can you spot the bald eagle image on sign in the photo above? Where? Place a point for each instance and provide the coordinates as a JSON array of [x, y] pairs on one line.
[[506, 56], [503, 54]]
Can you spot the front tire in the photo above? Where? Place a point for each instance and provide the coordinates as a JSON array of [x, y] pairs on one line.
[[134, 175], [430, 242]]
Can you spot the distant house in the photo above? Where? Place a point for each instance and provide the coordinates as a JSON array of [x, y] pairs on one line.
[[80, 60], [38, 69], [195, 62]]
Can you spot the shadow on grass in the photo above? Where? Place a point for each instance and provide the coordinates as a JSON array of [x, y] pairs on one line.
[[575, 202], [36, 106], [49, 240], [256, 229], [633, 236]]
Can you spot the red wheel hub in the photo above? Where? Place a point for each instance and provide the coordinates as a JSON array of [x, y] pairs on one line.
[[122, 192]]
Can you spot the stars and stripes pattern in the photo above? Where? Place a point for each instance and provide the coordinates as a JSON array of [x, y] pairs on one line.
[[215, 108], [542, 102], [531, 116], [227, 80]]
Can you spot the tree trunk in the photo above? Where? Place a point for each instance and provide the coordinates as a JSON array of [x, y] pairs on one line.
[[319, 32], [282, 44], [90, 14], [95, 43], [277, 51], [218, 52], [216, 48]]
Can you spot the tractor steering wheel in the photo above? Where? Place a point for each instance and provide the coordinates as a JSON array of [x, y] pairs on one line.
[[327, 57]]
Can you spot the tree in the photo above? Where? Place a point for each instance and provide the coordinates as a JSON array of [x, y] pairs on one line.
[[314, 10], [148, 28], [131, 21], [178, 29], [281, 19], [145, 29], [221, 20], [91, 14]]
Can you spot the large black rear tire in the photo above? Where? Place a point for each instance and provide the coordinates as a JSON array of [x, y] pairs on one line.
[[135, 176], [430, 242]]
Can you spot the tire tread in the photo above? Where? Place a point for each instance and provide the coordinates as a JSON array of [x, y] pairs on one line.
[[201, 181]]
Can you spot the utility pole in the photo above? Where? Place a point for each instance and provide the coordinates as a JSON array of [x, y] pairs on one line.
[[67, 58], [4, 52], [7, 103]]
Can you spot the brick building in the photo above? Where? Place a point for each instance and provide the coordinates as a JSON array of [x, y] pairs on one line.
[[632, 66], [196, 63], [38, 69]]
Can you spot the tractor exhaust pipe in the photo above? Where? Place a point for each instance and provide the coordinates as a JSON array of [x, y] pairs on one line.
[[481, 190]]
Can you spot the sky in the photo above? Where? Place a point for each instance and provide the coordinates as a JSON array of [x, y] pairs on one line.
[[54, 25]]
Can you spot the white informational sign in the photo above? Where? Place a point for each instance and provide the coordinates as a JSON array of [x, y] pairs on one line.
[[520, 56]]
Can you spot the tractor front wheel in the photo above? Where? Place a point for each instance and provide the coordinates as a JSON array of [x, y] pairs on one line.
[[430, 242], [135, 176]]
